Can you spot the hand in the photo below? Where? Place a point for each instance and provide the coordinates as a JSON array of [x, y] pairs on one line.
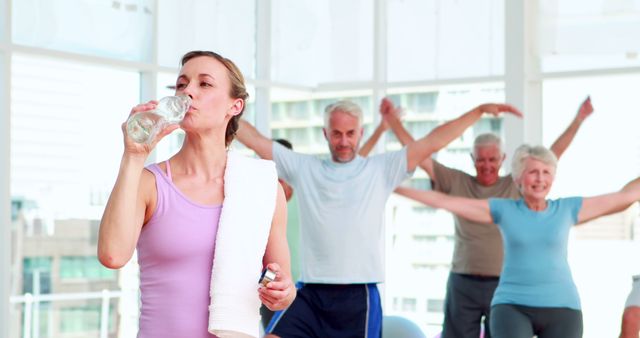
[[279, 293], [388, 110], [133, 148], [585, 110], [496, 109]]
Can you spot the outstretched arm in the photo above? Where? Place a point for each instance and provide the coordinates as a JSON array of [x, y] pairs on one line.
[[564, 140], [438, 138], [251, 137], [594, 207], [279, 293], [476, 210]]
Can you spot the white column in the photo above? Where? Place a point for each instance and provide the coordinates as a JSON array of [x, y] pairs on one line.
[[149, 78], [104, 314], [5, 168], [263, 67], [379, 64], [523, 84]]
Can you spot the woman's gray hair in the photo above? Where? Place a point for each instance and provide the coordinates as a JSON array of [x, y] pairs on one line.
[[487, 139], [344, 106], [525, 151]]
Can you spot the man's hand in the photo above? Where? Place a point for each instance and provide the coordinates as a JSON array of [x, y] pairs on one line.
[[388, 110]]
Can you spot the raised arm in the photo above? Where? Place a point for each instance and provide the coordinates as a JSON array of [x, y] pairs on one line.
[[438, 138], [391, 114], [594, 207], [279, 293], [373, 139], [564, 140], [251, 137], [476, 210], [126, 209]]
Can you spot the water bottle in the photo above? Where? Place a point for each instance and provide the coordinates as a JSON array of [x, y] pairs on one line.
[[143, 127]]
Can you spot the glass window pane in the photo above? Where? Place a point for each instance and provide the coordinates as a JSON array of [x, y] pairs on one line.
[[595, 149], [66, 136], [332, 41], [589, 34], [116, 29], [444, 39], [36, 275], [226, 27], [66, 145]]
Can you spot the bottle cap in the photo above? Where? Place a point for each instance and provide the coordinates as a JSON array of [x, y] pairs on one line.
[[267, 276]]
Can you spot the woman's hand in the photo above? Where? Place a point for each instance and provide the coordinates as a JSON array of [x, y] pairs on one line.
[[143, 149], [279, 293]]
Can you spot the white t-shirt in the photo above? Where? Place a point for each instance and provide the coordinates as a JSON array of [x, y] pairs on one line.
[[341, 212]]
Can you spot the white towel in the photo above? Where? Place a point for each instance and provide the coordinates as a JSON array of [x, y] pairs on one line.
[[250, 189]]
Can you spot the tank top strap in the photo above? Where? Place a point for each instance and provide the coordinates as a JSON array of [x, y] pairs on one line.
[[168, 171]]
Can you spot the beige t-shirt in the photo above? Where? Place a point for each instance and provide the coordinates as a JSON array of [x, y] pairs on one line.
[[478, 246]]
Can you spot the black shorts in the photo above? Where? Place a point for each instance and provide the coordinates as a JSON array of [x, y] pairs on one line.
[[330, 310]]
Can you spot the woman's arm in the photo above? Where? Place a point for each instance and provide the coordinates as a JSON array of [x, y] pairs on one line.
[[123, 215], [594, 207], [279, 293], [475, 210], [126, 210], [564, 140]]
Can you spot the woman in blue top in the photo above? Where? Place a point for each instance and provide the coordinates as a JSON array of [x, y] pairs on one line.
[[536, 294]]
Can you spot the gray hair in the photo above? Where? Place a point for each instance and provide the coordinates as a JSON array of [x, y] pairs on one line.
[[344, 106], [525, 151], [487, 139]]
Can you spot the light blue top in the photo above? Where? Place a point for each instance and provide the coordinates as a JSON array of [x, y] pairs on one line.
[[535, 271], [341, 212]]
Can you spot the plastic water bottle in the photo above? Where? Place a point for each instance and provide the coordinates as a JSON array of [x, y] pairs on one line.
[[143, 127]]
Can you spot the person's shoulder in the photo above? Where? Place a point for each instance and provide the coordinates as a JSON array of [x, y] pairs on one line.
[[441, 170]]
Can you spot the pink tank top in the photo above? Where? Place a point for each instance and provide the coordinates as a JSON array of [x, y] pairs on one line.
[[175, 254]]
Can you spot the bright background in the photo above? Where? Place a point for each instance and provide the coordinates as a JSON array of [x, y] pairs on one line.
[[70, 71]]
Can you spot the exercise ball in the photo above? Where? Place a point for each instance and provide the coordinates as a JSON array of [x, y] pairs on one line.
[[400, 327]]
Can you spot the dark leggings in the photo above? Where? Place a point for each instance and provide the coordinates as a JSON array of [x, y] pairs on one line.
[[518, 321]]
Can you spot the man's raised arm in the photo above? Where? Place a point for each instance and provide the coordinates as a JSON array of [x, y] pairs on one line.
[[438, 138], [251, 137]]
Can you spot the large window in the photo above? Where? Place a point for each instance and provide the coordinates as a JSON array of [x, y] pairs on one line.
[[332, 41], [227, 27], [66, 145], [115, 29], [589, 34], [444, 39]]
